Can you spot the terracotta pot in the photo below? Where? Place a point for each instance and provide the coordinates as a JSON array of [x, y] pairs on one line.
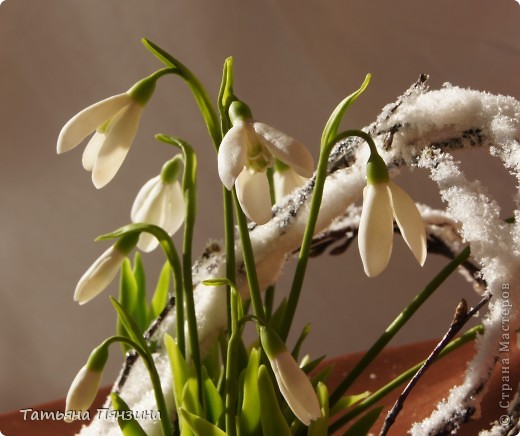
[[434, 386]]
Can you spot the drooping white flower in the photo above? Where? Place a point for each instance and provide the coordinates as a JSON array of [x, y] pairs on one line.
[[286, 180], [103, 270], [114, 122], [82, 392], [160, 201], [293, 383], [384, 201], [247, 150], [85, 385]]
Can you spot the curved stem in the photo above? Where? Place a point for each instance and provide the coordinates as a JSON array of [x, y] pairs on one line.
[[249, 261], [167, 427]]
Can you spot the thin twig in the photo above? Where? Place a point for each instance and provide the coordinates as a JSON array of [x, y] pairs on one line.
[[462, 316]]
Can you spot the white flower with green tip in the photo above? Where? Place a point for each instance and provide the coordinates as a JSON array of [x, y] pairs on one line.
[[384, 201], [247, 150], [85, 386], [293, 383], [103, 270], [161, 202], [114, 122]]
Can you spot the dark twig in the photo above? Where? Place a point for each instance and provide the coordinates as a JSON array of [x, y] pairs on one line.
[[462, 316]]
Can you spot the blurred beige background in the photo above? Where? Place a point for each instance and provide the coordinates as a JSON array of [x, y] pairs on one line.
[[294, 60]]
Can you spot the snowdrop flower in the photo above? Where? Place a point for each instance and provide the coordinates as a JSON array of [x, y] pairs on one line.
[[103, 270], [384, 201], [114, 122], [85, 386], [247, 150], [286, 180], [160, 201], [293, 383]]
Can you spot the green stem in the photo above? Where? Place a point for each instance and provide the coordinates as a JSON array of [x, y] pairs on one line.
[[199, 92], [232, 367], [229, 242], [397, 324], [249, 261], [166, 424], [396, 382], [303, 256]]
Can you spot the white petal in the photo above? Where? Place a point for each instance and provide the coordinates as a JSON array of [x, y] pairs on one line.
[[286, 182], [83, 390], [88, 120], [91, 151], [296, 388], [286, 149], [232, 154], [409, 221], [143, 197], [174, 210], [151, 212], [254, 196], [376, 229], [119, 137], [99, 275]]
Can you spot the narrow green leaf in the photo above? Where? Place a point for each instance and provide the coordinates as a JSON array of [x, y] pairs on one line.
[[249, 416], [198, 91], [160, 296], [319, 427], [141, 310], [199, 425], [308, 367], [273, 421], [127, 293], [214, 403], [348, 401], [129, 324], [363, 425], [276, 320], [226, 95], [190, 397], [331, 128], [178, 367], [323, 375], [305, 332], [127, 423]]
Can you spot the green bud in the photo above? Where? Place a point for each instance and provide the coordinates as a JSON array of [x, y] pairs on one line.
[[238, 110], [127, 243], [271, 343], [171, 169], [98, 358], [377, 171]]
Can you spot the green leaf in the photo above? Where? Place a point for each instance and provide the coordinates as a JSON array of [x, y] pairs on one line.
[[129, 324], [348, 401], [199, 425], [160, 296], [319, 427], [331, 128], [305, 332], [273, 421], [127, 423], [323, 375], [127, 293], [199, 93], [363, 425], [214, 403], [178, 367], [190, 397], [308, 367], [226, 95], [249, 416], [276, 320], [141, 310]]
